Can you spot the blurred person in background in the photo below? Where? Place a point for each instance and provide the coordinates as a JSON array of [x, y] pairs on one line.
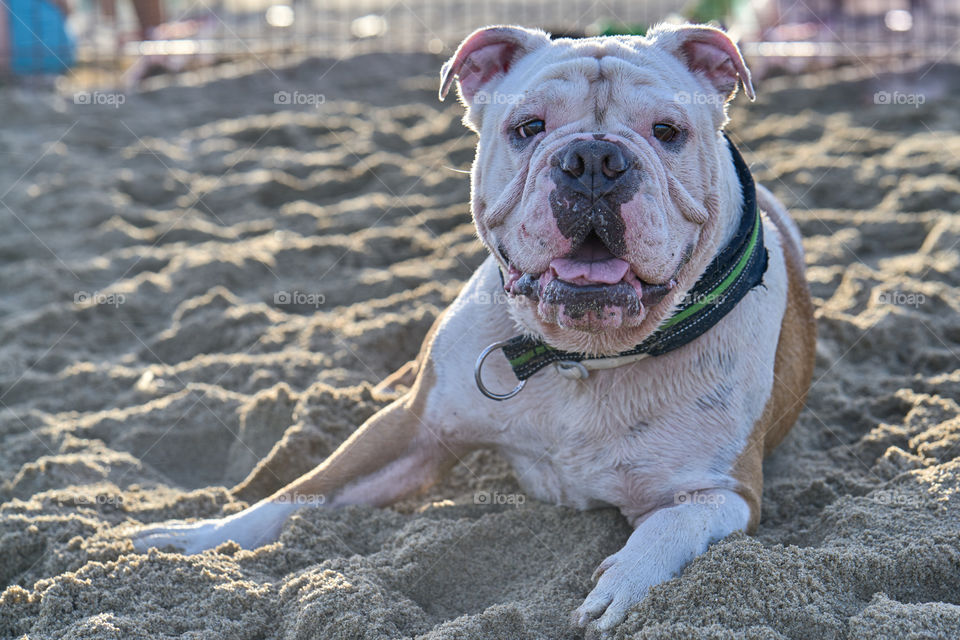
[[149, 15], [34, 39]]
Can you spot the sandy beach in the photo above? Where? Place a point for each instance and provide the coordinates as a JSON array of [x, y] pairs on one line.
[[203, 277]]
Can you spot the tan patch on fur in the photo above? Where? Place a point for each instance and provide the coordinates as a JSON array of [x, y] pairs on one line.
[[402, 377], [382, 439], [406, 375], [793, 370]]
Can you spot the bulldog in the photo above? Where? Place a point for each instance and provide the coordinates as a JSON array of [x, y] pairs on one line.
[[641, 334]]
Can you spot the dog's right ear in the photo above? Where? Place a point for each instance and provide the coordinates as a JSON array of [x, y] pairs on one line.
[[486, 54]]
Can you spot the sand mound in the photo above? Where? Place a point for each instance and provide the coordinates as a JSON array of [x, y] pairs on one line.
[[203, 278]]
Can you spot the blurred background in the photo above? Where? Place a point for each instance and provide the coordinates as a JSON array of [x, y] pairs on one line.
[[120, 43]]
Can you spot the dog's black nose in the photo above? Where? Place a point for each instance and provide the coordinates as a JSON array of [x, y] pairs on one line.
[[593, 163]]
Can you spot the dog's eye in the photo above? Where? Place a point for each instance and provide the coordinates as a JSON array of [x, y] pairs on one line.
[[531, 128], [665, 132]]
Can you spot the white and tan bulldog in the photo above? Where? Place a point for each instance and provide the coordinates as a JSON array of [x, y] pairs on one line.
[[662, 327]]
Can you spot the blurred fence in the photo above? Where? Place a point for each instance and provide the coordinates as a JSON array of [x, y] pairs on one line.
[[882, 32], [787, 34]]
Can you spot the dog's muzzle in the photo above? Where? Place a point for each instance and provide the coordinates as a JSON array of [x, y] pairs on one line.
[[593, 178]]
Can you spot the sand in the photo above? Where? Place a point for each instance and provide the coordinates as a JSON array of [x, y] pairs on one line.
[[185, 214]]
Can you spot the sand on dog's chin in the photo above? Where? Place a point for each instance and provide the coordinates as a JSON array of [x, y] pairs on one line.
[[184, 365]]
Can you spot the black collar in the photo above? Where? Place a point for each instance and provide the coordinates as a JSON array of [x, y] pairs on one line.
[[736, 269]]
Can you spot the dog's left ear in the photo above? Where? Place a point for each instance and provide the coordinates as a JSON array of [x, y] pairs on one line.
[[709, 52], [486, 54]]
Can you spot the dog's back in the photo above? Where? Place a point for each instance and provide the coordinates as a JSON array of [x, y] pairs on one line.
[[798, 333]]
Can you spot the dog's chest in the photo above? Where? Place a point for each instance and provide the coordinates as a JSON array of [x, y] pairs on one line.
[[557, 465], [586, 446]]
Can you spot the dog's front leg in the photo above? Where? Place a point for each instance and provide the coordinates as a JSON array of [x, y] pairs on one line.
[[663, 542], [394, 454]]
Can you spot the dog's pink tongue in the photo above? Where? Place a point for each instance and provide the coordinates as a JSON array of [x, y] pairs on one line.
[[590, 265]]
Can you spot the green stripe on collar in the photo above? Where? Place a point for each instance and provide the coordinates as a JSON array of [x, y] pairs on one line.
[[686, 312], [736, 269]]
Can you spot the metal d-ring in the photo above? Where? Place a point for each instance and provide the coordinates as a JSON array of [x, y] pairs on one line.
[[479, 366]]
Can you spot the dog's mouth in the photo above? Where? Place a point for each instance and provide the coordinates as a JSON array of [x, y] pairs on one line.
[[590, 289]]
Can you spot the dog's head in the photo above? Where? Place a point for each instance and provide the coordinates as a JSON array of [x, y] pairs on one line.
[[600, 172]]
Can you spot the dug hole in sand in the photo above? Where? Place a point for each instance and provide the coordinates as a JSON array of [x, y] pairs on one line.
[[149, 360]]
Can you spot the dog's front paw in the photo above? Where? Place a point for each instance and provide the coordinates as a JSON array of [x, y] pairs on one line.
[[188, 537], [621, 583], [250, 528], [663, 543]]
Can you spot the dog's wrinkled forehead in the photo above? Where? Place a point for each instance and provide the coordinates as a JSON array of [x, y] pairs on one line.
[[499, 68], [602, 90], [573, 80]]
